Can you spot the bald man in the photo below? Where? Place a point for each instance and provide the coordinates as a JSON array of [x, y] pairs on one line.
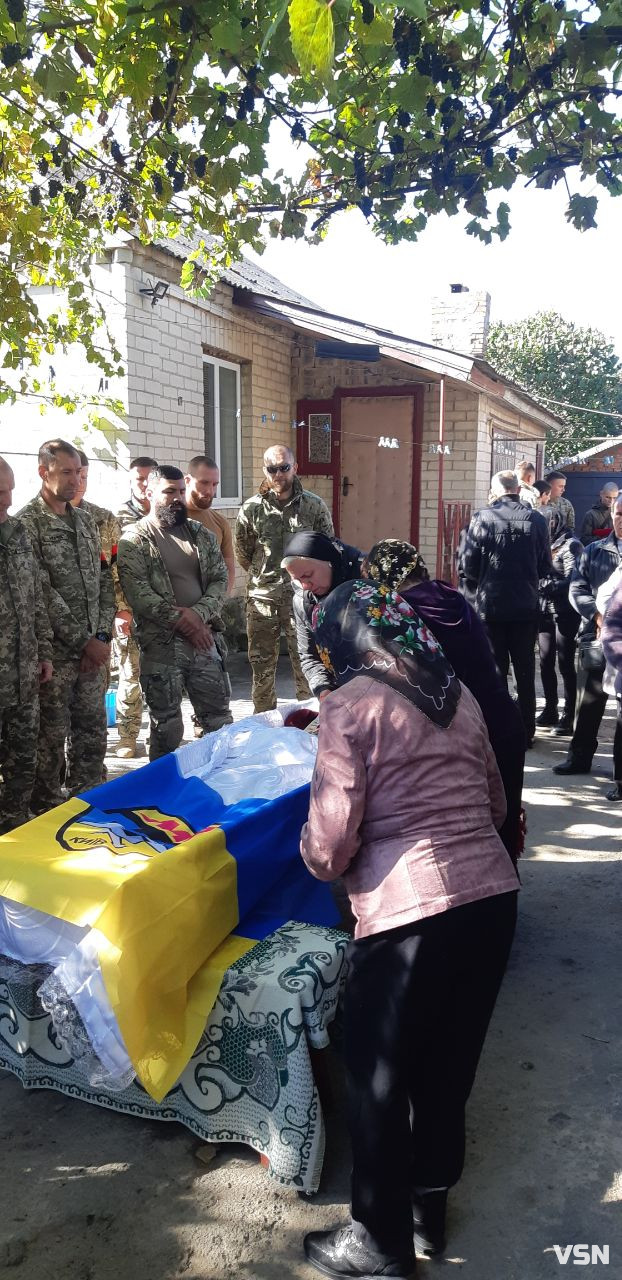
[[25, 659], [264, 524]]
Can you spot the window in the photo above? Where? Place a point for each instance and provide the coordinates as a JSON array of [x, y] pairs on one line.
[[320, 425], [221, 412], [503, 456]]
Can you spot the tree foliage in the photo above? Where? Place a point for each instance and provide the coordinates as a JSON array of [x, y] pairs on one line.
[[139, 115], [551, 357]]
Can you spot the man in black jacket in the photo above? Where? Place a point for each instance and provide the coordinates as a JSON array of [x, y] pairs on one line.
[[598, 521], [595, 567], [505, 554]]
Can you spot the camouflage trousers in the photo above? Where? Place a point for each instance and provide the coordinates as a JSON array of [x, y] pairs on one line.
[[202, 676], [73, 721], [129, 696], [265, 619], [19, 734]]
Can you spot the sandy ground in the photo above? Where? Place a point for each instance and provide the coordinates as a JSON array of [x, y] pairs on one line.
[[88, 1195]]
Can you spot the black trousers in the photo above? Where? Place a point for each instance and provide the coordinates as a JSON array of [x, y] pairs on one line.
[[592, 701], [516, 641], [418, 1001], [556, 639]]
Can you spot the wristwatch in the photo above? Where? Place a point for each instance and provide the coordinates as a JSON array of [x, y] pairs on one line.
[[104, 636]]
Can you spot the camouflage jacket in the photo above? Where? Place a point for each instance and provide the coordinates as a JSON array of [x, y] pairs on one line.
[[109, 531], [147, 586], [26, 635], [566, 510], [75, 575], [263, 527], [129, 513]]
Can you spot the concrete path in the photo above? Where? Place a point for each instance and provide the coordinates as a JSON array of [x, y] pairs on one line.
[[91, 1196]]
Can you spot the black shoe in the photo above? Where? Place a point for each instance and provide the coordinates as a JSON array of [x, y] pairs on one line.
[[340, 1254], [429, 1212], [572, 765], [615, 793], [547, 718], [564, 728]]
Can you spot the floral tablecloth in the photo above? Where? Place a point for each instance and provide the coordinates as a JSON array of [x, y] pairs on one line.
[[250, 1079]]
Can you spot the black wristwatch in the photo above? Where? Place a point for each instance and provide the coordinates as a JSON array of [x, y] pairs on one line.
[[104, 636]]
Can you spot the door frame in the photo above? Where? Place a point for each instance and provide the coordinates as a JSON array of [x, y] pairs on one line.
[[333, 405]]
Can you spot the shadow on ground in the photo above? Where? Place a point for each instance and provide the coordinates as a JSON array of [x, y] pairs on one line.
[[89, 1195]]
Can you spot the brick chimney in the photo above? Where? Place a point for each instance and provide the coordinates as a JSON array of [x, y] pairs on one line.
[[461, 320]]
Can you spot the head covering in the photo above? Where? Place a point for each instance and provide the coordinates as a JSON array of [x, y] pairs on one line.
[[389, 562], [345, 561], [361, 629]]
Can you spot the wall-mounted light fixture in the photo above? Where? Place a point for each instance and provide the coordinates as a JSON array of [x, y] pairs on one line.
[[156, 291]]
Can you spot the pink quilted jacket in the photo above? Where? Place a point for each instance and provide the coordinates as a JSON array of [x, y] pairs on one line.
[[404, 811]]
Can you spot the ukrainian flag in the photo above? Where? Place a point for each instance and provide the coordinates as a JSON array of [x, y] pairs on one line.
[[175, 885]]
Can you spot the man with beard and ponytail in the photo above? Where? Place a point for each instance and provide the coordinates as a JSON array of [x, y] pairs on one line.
[[175, 579]]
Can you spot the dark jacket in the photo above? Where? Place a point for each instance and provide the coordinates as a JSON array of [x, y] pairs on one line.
[[595, 566], [466, 645], [566, 552], [505, 554], [313, 668], [597, 523]]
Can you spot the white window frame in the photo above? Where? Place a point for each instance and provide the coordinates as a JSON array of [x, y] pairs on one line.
[[226, 364]]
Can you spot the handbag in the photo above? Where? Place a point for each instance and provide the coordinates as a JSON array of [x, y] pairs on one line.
[[591, 656]]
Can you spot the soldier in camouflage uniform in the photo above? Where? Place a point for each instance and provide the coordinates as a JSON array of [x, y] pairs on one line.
[[129, 698], [129, 693], [79, 595], [25, 660], [264, 524], [174, 576]]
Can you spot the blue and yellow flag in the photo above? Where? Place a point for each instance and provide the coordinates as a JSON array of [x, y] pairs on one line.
[[176, 886]]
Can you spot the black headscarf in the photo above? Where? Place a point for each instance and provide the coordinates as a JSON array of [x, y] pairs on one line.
[[361, 629], [345, 561]]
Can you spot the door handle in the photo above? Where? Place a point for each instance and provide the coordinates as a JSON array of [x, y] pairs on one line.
[[346, 485]]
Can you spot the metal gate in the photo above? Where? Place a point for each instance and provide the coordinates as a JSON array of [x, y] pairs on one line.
[[456, 516]]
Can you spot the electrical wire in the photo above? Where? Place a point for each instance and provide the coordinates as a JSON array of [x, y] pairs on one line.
[[604, 413]]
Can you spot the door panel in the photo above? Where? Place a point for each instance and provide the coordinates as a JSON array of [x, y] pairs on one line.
[[376, 482]]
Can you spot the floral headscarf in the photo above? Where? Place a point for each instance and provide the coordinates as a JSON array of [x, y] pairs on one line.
[[361, 629], [389, 562]]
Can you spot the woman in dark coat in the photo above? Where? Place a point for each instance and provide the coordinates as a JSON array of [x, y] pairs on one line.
[[316, 564], [397, 566]]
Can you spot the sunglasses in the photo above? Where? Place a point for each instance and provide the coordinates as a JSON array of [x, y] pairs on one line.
[[283, 467]]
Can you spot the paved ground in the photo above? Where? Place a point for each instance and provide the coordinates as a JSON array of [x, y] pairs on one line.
[[91, 1196]]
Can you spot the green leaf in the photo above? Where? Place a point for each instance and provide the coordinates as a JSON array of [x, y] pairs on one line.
[[581, 212], [227, 35], [276, 22], [312, 33], [417, 8]]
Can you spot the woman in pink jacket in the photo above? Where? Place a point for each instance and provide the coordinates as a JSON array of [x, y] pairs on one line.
[[406, 800]]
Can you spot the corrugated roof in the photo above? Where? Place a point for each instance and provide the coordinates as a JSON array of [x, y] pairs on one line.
[[244, 274], [438, 361], [264, 292], [611, 442]]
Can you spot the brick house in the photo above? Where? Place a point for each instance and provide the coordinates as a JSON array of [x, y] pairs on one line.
[[588, 470], [399, 436]]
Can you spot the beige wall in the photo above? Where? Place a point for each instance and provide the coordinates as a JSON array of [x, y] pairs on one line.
[[166, 344], [314, 378]]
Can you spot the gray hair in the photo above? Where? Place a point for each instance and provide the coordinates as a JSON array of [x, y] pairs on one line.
[[504, 482], [610, 487]]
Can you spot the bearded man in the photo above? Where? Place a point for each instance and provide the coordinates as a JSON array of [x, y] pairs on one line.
[[175, 579], [202, 481]]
